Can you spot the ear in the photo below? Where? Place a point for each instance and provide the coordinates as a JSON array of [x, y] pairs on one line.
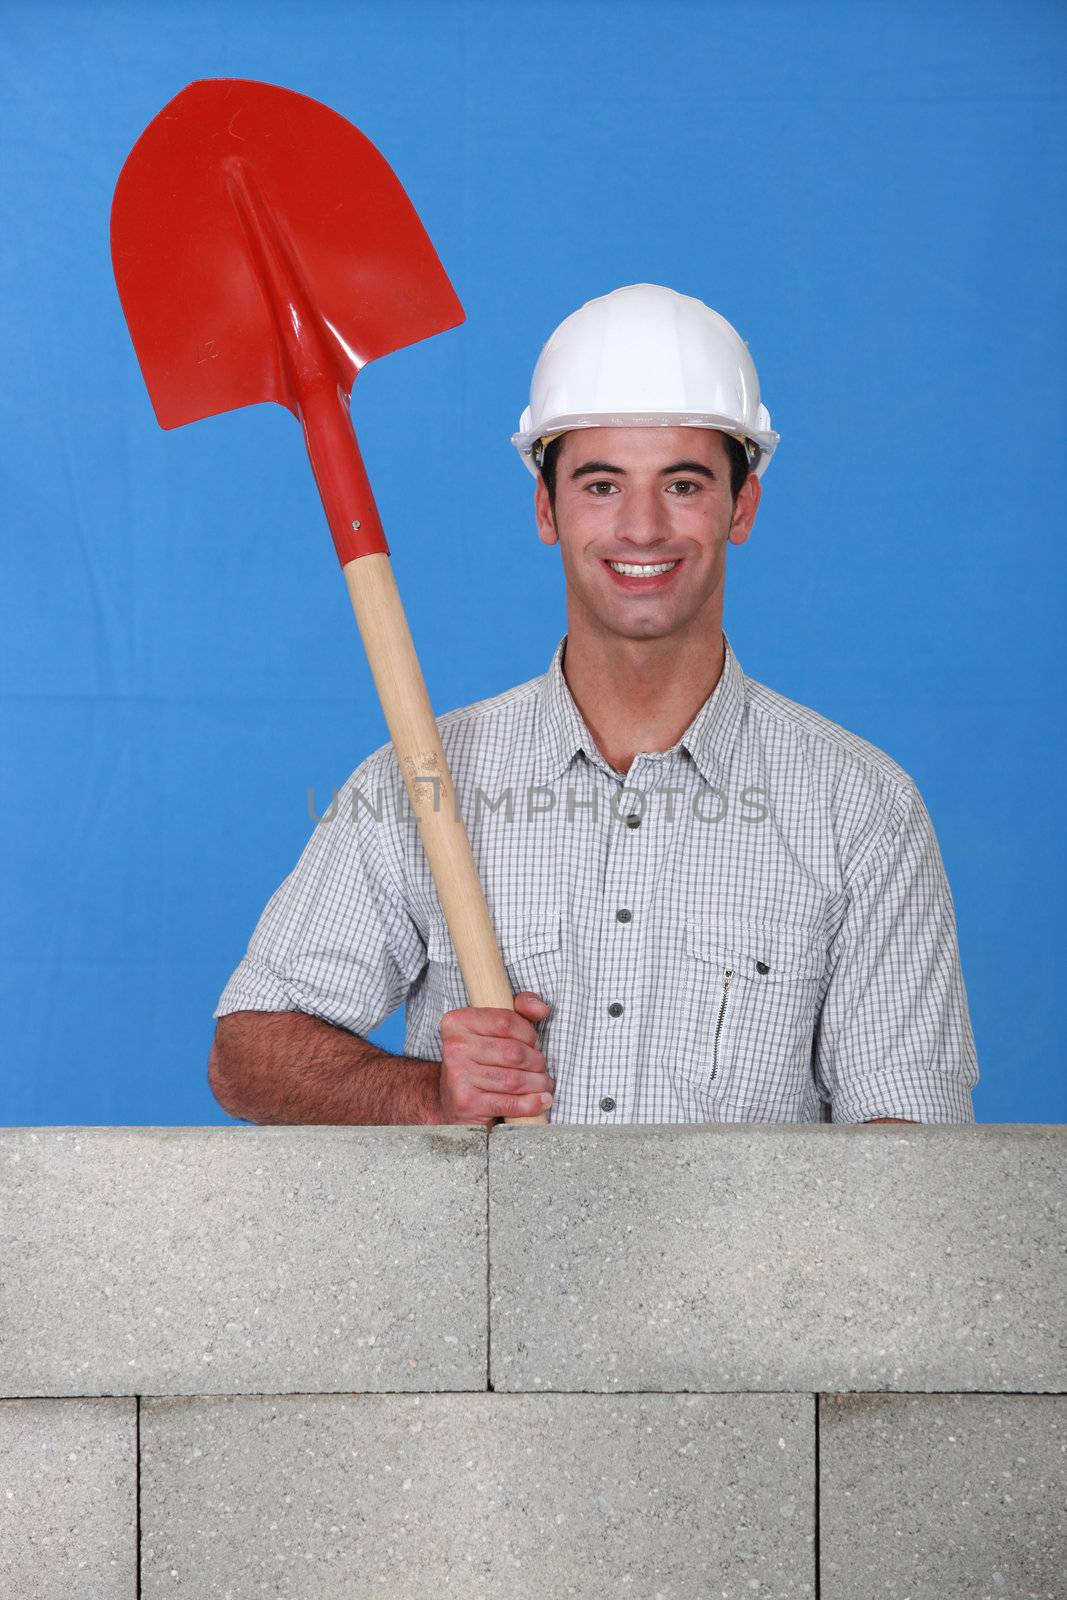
[[745, 510], [546, 522]]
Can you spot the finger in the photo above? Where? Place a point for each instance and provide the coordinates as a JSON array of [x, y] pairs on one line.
[[479, 1058], [471, 1102], [507, 1080], [524, 1105], [489, 1107], [487, 1022]]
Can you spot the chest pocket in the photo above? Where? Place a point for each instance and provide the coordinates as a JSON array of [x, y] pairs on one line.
[[532, 953], [750, 1008]]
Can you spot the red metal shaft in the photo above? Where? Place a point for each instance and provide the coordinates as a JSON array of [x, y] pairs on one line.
[[312, 377]]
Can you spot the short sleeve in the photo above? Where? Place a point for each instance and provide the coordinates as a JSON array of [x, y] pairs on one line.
[[894, 1036], [336, 939]]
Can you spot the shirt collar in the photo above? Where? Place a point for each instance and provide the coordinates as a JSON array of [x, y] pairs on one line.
[[562, 731]]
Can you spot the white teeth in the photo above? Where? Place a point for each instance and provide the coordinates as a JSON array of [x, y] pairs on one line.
[[633, 570]]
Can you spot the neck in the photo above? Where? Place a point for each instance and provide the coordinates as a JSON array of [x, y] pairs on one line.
[[640, 694]]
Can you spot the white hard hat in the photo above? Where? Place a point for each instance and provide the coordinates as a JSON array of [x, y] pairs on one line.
[[643, 357]]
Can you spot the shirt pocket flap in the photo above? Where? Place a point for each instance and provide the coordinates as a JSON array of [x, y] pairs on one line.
[[757, 947], [516, 941], [533, 941]]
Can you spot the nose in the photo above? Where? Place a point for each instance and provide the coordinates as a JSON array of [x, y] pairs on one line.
[[644, 520]]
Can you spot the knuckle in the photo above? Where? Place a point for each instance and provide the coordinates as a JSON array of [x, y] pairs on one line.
[[454, 1055]]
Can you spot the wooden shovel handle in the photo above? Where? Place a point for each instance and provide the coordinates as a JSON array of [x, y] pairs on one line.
[[409, 715]]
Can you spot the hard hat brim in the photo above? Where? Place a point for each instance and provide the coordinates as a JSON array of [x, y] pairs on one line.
[[525, 441]]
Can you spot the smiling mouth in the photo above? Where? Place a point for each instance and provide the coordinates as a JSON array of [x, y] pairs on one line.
[[641, 569], [642, 577]]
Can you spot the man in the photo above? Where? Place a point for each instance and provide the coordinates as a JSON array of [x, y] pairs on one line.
[[713, 903]]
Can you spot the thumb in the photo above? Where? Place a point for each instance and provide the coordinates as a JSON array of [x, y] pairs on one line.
[[525, 1000]]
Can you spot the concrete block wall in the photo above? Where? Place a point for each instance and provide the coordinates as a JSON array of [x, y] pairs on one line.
[[663, 1362]]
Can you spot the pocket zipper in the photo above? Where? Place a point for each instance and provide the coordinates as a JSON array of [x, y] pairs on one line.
[[727, 974]]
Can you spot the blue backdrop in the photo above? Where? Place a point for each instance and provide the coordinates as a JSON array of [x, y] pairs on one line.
[[872, 193]]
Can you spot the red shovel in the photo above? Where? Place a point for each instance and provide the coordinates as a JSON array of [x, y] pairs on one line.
[[264, 250]]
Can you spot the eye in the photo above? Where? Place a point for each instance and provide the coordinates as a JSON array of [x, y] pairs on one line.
[[685, 483], [601, 483]]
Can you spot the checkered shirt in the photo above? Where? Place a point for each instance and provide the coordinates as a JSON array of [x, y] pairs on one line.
[[752, 926]]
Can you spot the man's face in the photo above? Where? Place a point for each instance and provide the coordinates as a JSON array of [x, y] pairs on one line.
[[645, 497]]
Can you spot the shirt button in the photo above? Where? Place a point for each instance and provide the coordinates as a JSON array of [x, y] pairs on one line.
[[623, 915], [607, 1104], [633, 821], [615, 1009]]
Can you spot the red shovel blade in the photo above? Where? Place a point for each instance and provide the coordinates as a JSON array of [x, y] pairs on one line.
[[224, 163]]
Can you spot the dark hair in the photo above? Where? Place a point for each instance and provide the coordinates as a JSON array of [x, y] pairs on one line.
[[736, 454]]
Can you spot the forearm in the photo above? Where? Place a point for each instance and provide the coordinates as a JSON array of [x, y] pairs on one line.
[[288, 1067]]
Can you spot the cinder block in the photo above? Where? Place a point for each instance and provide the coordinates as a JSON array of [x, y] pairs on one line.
[[236, 1261], [509, 1497], [68, 1499], [943, 1497], [778, 1257]]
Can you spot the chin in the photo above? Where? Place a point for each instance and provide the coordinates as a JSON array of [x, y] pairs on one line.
[[637, 628]]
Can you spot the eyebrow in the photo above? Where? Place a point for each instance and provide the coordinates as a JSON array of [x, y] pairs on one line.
[[589, 467]]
